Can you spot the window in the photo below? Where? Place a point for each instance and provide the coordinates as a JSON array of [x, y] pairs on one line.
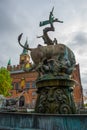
[[33, 84], [27, 85], [16, 86]]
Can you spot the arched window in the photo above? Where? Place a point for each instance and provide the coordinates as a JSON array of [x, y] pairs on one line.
[[21, 101]]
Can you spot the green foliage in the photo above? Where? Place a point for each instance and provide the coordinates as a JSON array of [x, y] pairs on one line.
[[5, 81], [85, 105]]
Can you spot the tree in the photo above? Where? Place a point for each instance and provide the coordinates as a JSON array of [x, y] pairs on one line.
[[5, 81]]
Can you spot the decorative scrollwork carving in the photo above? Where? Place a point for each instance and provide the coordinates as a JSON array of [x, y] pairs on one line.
[[54, 100], [65, 109]]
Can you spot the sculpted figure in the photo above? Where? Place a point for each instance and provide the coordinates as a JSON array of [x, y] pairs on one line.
[[45, 36], [54, 63], [55, 59], [59, 57]]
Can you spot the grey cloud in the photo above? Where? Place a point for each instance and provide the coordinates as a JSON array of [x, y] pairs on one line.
[[79, 42], [80, 38], [8, 22]]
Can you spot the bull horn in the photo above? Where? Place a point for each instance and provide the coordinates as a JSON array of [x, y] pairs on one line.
[[19, 39]]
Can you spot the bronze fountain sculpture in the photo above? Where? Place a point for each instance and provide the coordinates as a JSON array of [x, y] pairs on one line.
[[55, 63]]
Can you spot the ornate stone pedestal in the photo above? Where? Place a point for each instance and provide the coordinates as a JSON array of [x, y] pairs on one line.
[[55, 96]]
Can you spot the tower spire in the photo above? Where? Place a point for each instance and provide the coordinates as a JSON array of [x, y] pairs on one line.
[[9, 62], [25, 51]]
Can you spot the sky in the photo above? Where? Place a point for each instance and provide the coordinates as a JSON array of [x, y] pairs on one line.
[[23, 16]]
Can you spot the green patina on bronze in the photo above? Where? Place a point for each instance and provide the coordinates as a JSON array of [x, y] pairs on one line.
[[51, 20]]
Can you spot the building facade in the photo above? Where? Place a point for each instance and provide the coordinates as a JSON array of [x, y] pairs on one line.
[[23, 81], [78, 90]]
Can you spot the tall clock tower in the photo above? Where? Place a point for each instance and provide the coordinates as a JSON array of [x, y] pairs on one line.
[[24, 57]]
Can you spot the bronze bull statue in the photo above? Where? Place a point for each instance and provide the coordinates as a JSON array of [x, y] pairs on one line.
[[60, 54]]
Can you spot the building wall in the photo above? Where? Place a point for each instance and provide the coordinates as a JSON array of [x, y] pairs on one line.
[[78, 90]]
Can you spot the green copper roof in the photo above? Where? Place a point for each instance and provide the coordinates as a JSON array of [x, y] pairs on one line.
[[25, 51], [9, 62]]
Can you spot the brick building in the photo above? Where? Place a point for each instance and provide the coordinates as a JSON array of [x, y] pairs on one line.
[[25, 80]]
